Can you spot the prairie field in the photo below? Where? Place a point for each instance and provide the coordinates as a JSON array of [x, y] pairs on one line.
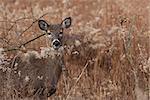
[[107, 47]]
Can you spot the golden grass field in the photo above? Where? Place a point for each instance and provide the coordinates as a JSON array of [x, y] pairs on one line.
[[107, 51]]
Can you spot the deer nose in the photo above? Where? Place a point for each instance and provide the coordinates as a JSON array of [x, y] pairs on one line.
[[56, 43]]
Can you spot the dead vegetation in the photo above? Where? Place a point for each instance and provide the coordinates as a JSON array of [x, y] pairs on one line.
[[107, 51]]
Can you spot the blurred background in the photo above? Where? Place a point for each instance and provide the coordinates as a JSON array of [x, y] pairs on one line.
[[107, 47]]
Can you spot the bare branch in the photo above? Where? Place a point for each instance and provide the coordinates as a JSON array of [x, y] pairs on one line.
[[33, 23], [18, 48], [31, 40]]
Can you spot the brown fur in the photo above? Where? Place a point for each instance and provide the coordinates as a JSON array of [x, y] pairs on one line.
[[34, 75]]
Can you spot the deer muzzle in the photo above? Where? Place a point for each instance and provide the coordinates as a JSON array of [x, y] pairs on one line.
[[56, 44]]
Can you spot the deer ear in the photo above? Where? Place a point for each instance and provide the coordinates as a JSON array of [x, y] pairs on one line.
[[43, 25], [66, 23]]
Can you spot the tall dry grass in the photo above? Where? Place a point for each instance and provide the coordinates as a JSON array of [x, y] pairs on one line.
[[107, 48]]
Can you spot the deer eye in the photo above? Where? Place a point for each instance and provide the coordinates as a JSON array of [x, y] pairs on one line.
[[49, 33]]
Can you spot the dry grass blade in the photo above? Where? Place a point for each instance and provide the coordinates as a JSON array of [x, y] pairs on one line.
[[77, 80]]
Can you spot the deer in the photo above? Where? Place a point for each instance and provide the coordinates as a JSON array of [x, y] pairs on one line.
[[35, 75]]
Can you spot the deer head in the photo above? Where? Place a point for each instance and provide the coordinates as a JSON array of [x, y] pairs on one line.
[[55, 31]]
